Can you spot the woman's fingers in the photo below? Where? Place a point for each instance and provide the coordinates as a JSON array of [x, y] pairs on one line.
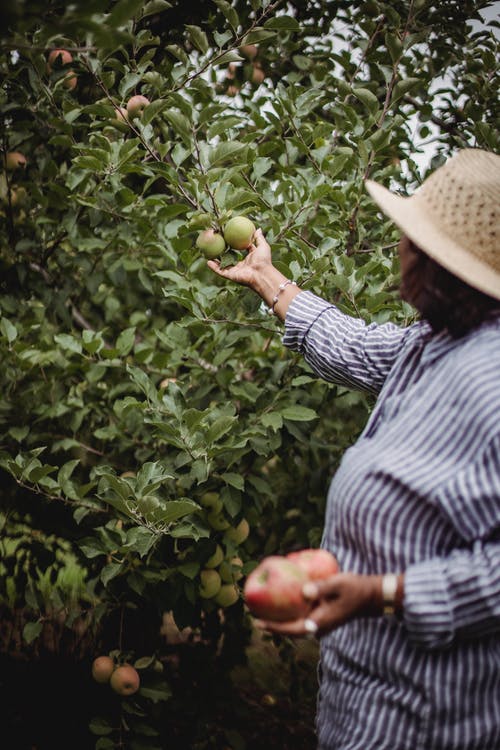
[[300, 628]]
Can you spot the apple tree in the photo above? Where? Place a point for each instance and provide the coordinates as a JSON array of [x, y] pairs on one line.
[[150, 416]]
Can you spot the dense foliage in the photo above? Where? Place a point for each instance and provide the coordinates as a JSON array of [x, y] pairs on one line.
[[134, 381]]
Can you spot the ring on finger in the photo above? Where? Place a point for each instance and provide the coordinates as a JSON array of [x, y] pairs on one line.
[[310, 627]]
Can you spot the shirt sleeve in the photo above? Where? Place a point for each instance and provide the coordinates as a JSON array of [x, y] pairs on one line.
[[458, 596], [339, 348]]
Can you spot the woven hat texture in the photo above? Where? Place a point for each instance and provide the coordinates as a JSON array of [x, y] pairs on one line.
[[454, 216]]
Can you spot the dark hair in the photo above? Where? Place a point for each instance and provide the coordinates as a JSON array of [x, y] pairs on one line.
[[445, 301]]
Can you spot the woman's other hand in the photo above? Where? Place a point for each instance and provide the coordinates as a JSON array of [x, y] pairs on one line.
[[335, 601]]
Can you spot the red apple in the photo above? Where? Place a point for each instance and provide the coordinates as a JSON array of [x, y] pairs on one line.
[[13, 160], [273, 590], [125, 680], [102, 668], [70, 80], [317, 563], [59, 57]]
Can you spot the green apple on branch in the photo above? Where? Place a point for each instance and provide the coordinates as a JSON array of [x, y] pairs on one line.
[[211, 243], [136, 105], [239, 232], [210, 583]]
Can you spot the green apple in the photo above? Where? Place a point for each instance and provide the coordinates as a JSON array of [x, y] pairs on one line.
[[136, 105], [228, 595], [125, 680], [240, 532], [239, 232], [18, 197], [218, 521], [211, 243], [215, 559], [249, 51], [230, 570], [120, 120], [211, 500], [210, 583], [102, 668]]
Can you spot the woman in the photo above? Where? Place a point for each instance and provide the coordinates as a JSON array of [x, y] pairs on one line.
[[410, 630]]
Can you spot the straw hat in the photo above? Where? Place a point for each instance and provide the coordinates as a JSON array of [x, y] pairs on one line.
[[454, 216]]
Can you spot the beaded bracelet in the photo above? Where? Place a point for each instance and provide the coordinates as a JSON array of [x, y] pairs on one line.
[[281, 287]]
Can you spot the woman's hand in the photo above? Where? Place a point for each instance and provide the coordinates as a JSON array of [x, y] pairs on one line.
[[335, 601], [256, 271], [249, 270]]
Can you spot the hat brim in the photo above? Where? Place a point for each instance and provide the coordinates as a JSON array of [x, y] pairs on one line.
[[412, 218]]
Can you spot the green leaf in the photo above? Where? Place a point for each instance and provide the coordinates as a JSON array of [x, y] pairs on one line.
[[367, 97], [155, 6], [109, 572], [153, 109], [273, 420], [258, 35], [198, 37], [100, 726], [156, 693], [180, 124], [8, 330], [125, 341], [19, 433], [229, 12], [31, 631], [220, 427], [226, 152], [235, 480], [298, 413], [123, 11], [68, 342], [173, 510], [143, 382], [402, 87], [282, 23]]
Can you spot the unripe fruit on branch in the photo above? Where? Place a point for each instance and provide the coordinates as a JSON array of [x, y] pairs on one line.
[[249, 51], [258, 74], [14, 159], [218, 521], [102, 668], [210, 243], [136, 105], [125, 680], [211, 500], [228, 595], [239, 232], [210, 583], [18, 197], [240, 532], [215, 559], [230, 570], [121, 116]]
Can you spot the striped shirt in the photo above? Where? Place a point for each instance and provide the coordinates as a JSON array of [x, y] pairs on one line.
[[418, 493]]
